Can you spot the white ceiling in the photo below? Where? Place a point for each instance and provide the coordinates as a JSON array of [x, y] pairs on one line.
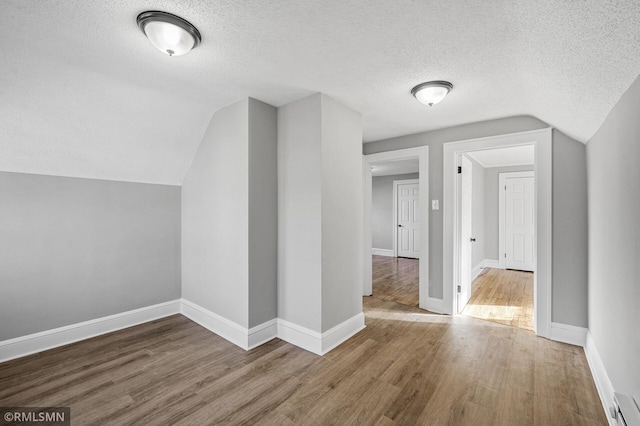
[[83, 93], [501, 157], [397, 167]]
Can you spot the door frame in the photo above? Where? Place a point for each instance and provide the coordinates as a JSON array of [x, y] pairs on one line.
[[542, 141], [422, 153], [395, 210], [502, 178]]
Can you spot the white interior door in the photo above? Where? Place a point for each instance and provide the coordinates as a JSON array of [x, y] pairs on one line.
[[407, 218], [466, 187], [519, 223]]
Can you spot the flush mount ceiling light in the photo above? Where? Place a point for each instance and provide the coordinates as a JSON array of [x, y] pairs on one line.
[[169, 33], [431, 92]]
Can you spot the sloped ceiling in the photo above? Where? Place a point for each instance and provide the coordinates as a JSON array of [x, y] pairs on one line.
[[83, 93]]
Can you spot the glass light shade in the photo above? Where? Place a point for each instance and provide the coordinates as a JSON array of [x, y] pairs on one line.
[[432, 92], [169, 33], [169, 38]]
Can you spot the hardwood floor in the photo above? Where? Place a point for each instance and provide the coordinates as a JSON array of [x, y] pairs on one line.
[[503, 296], [407, 367], [396, 279]]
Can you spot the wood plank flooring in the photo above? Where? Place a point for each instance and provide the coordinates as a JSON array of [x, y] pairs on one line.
[[408, 367], [503, 296], [396, 279]]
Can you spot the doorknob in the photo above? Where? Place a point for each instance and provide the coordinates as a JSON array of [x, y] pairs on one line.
[[473, 240], [399, 226]]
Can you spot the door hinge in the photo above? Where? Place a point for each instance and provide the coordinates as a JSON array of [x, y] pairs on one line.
[[505, 255], [505, 187], [459, 169], [459, 289]]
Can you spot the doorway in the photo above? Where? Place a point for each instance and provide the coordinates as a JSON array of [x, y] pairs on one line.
[[396, 231], [422, 156], [540, 141], [503, 296], [496, 210]]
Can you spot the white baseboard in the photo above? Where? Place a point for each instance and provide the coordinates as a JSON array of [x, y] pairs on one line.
[[300, 336], [49, 339], [600, 377], [568, 334], [319, 343], [341, 332], [490, 263], [434, 305], [382, 252], [476, 270], [227, 329], [262, 333]]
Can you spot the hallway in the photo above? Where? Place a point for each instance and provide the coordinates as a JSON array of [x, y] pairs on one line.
[[396, 279], [504, 296]]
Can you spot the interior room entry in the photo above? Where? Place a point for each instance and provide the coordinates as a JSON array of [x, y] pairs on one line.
[[407, 214], [518, 225]]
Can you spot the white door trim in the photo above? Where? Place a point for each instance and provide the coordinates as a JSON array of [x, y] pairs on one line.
[[502, 180], [542, 140], [395, 211], [402, 154]]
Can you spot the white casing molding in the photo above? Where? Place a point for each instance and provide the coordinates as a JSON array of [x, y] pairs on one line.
[[542, 139], [246, 338], [422, 153], [382, 252], [320, 343], [568, 334], [49, 339], [600, 377], [435, 305]]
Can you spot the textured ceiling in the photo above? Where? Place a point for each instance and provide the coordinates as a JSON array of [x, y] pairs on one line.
[[83, 93]]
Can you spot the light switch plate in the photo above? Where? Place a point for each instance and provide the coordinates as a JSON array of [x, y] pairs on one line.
[[435, 204]]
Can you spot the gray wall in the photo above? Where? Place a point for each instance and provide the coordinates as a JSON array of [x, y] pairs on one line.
[[73, 250], [491, 204], [614, 242], [263, 213], [342, 204], [570, 230], [229, 219], [569, 308], [215, 208], [319, 213], [382, 225], [300, 213], [434, 140]]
